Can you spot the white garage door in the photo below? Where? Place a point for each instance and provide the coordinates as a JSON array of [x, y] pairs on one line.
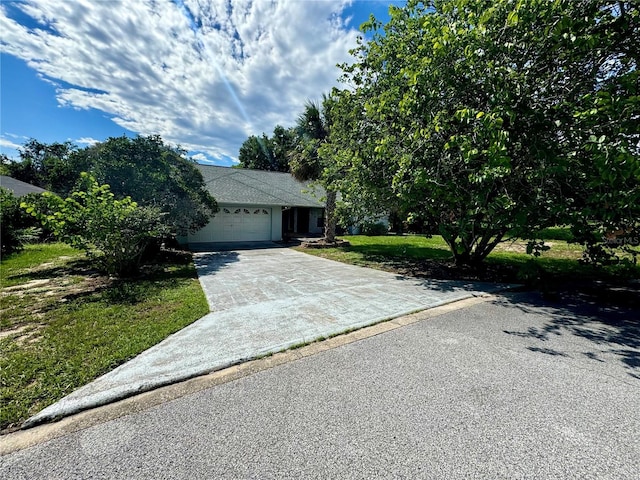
[[237, 224]]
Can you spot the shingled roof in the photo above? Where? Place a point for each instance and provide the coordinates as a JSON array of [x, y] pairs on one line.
[[259, 187], [18, 187]]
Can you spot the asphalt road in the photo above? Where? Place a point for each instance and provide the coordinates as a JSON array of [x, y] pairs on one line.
[[511, 388]]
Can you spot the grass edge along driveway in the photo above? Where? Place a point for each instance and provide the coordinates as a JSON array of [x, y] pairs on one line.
[[63, 324], [430, 257]]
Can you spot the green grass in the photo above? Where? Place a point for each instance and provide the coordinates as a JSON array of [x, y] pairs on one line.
[[374, 251], [409, 254], [555, 233], [17, 267], [63, 325]]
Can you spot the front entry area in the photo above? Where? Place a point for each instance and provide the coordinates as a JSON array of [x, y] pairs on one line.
[[302, 221], [295, 220]]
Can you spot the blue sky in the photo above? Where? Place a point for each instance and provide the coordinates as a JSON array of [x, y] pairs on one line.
[[202, 74]]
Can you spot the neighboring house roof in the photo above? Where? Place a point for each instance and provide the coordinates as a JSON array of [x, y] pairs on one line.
[[18, 187], [259, 187]]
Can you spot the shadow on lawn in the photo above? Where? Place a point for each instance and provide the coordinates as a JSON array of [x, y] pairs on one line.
[[81, 266], [136, 290], [165, 271], [382, 252], [433, 264], [613, 328], [446, 269]]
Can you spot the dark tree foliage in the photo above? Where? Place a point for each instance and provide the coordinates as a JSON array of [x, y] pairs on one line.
[[283, 142], [144, 168], [268, 153], [255, 153], [155, 175], [17, 226], [54, 167], [4, 164]]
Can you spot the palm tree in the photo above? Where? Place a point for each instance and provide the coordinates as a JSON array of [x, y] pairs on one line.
[[312, 127]]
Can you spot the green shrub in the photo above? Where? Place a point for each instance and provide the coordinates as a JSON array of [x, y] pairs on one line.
[[555, 233], [374, 229], [16, 226]]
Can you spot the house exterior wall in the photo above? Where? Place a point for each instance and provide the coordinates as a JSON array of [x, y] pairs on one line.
[[276, 223], [212, 232], [316, 220]]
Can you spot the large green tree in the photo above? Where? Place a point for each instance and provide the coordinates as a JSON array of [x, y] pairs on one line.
[[601, 129], [154, 174], [482, 117], [144, 168], [256, 153]]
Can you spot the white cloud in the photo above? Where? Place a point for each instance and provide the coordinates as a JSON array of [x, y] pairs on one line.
[[86, 141], [9, 147], [13, 135], [5, 143], [204, 75], [202, 158]]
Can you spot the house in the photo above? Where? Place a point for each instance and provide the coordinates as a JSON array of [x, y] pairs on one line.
[[256, 205], [18, 187]]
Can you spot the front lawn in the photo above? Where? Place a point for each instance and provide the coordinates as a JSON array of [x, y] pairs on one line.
[[63, 324], [430, 257]]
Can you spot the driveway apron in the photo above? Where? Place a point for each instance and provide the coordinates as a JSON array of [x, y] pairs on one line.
[[264, 301]]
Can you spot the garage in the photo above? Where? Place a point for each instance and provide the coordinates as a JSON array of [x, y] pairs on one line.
[[244, 223], [251, 205]]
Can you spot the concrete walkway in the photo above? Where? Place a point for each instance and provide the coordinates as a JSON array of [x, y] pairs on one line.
[[263, 301]]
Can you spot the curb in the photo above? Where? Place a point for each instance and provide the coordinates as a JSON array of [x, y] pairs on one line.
[[34, 434]]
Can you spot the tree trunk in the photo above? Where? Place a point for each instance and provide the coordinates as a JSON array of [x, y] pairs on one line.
[[330, 217], [473, 254]]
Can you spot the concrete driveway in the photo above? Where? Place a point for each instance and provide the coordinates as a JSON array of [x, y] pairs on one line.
[[263, 301]]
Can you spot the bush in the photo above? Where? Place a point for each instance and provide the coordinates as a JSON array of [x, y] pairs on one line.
[[17, 227], [555, 233], [115, 233], [374, 229]]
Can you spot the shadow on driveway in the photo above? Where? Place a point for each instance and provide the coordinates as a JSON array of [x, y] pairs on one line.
[[452, 285], [209, 263]]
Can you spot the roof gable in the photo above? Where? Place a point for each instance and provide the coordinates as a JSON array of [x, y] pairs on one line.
[[259, 187], [18, 187]]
